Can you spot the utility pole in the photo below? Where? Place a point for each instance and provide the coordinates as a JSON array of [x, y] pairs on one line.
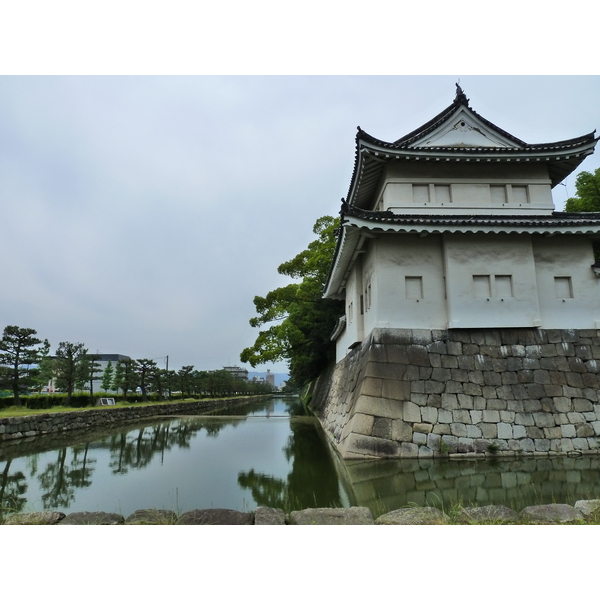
[[168, 378]]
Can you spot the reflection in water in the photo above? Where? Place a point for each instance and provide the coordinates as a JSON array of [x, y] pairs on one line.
[[516, 483], [269, 453], [60, 479], [12, 489], [311, 482], [259, 454]]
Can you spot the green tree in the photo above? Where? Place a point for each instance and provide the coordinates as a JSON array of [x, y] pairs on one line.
[[19, 349], [587, 187], [93, 370], [107, 377], [186, 380], [72, 368], [126, 377], [145, 368], [301, 320], [159, 380], [45, 369]]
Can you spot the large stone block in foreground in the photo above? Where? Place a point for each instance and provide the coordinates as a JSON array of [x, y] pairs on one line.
[[356, 515], [215, 516]]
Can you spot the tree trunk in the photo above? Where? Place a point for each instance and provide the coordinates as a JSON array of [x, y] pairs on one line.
[[15, 387]]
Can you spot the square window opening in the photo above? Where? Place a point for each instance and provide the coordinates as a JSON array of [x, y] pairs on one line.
[[563, 287], [482, 286], [504, 286], [414, 288]]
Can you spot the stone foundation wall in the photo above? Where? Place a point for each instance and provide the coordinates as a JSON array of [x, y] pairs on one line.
[[423, 393], [17, 428]]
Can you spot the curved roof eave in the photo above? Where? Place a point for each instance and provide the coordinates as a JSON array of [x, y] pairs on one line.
[[347, 246], [436, 228], [371, 158], [364, 218]]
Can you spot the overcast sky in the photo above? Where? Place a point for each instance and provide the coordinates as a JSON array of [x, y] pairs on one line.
[[141, 215]]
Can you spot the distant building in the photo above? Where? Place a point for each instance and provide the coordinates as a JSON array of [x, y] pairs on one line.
[[270, 378], [238, 372], [102, 361]]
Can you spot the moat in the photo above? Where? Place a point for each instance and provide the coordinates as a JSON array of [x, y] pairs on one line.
[[269, 453]]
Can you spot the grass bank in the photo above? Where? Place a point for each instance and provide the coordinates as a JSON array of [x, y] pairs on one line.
[[22, 411]]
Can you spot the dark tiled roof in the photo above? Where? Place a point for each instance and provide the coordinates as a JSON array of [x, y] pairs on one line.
[[413, 137], [565, 145], [556, 219], [372, 154], [460, 100], [550, 224]]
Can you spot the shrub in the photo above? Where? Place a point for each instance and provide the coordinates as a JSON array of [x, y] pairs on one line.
[[6, 401]]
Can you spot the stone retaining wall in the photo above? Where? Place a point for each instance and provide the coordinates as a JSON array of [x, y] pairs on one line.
[[422, 393], [17, 428]]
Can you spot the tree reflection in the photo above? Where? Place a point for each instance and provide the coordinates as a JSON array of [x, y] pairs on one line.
[[136, 449], [311, 482], [60, 479], [80, 469], [55, 481], [266, 490], [12, 488]]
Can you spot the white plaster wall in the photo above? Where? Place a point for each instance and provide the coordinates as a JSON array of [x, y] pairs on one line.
[[341, 345], [385, 265], [354, 331], [484, 170], [493, 255], [395, 259], [370, 273], [446, 265], [567, 256], [469, 187]]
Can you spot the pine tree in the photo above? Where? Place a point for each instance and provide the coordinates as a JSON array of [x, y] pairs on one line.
[[107, 377], [18, 351]]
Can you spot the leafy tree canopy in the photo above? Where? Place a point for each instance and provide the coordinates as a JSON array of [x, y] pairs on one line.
[[126, 376], [72, 367], [19, 349], [300, 319], [587, 186], [108, 377], [145, 368]]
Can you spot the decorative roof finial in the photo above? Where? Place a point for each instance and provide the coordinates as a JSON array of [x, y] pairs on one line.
[[461, 97]]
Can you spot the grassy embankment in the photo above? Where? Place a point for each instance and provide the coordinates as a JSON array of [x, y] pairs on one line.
[[22, 411]]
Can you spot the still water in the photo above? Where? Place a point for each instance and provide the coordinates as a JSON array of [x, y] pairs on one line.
[[269, 453]]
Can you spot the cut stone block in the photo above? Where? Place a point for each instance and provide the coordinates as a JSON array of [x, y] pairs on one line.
[[588, 507], [215, 516], [491, 514], [551, 513], [411, 412], [265, 515], [355, 515], [151, 516], [35, 518], [426, 515], [92, 518]]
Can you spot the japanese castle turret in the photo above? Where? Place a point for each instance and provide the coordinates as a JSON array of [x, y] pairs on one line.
[[472, 307]]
